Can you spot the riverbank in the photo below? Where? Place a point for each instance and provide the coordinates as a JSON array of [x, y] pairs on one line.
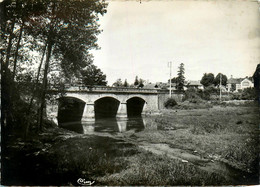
[[218, 145]]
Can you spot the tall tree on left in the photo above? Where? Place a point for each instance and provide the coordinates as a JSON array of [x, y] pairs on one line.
[[68, 29], [180, 78]]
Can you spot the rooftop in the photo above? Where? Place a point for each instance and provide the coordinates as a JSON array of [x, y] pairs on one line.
[[237, 80]]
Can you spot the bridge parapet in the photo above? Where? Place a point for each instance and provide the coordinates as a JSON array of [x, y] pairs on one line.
[[106, 89]]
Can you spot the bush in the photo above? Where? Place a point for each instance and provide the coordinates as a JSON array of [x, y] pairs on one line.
[[170, 103], [246, 94], [209, 91], [193, 95], [236, 96]]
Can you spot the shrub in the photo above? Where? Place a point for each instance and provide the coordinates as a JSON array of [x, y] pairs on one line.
[[193, 95], [209, 91], [170, 103], [246, 94], [236, 96]]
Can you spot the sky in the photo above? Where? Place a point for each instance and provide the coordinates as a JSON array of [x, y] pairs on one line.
[[139, 39]]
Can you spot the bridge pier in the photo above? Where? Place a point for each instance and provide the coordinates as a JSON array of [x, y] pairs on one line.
[[122, 126], [144, 109], [88, 113], [122, 111]]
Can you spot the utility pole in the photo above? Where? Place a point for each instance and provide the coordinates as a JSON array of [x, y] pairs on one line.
[[220, 80], [170, 65]]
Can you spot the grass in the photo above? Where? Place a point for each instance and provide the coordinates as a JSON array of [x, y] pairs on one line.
[[149, 169], [228, 134], [66, 160], [231, 132], [89, 157]]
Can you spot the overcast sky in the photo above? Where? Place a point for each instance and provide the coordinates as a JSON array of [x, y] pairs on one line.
[[138, 39]]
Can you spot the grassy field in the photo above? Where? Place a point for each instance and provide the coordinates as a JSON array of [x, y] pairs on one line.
[[218, 145], [229, 134]]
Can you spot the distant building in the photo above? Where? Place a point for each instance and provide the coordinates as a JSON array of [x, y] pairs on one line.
[[234, 85], [194, 84], [160, 85], [151, 86]]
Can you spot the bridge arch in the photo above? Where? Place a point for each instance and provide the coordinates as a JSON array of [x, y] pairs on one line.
[[70, 109], [135, 106], [106, 107]]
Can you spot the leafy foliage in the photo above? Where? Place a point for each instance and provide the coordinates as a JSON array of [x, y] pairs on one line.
[[223, 79], [173, 80], [125, 83], [256, 78], [245, 94], [207, 79], [170, 102], [136, 83], [193, 95], [61, 33], [208, 91], [141, 83], [93, 76], [118, 83]]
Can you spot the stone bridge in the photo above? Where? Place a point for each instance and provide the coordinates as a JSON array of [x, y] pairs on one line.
[[89, 103]]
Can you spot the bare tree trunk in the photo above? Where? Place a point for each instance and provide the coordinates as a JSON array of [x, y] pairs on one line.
[[35, 90], [17, 49], [8, 50], [5, 82], [46, 69], [35, 86], [45, 79]]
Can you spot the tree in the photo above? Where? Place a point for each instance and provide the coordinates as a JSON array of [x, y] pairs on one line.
[[256, 78], [65, 32], [141, 83], [93, 76], [207, 79], [180, 78], [70, 34], [173, 80], [118, 83], [223, 79], [125, 83], [136, 83]]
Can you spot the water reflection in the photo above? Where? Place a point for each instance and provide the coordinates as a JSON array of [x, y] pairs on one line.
[[110, 125], [105, 125], [136, 124], [73, 126]]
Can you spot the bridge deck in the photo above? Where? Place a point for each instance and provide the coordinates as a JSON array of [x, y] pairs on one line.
[[105, 89]]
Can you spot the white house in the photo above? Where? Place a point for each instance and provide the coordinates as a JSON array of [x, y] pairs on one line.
[[234, 85]]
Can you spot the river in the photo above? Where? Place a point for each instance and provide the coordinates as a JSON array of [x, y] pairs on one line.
[[108, 125]]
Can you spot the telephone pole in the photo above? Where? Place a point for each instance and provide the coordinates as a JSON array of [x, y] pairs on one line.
[[170, 65]]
